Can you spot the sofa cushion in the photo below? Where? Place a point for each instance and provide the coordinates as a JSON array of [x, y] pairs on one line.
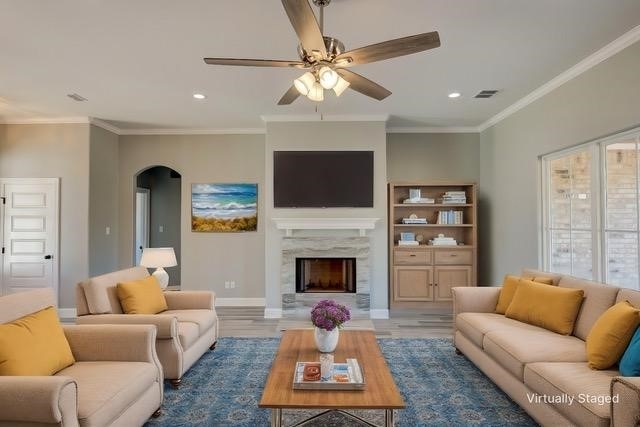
[[106, 389], [514, 348], [509, 286], [553, 277], [611, 334], [563, 381], [550, 307], [188, 333], [475, 325], [100, 291], [205, 319], [598, 297], [142, 296], [34, 345], [630, 362]]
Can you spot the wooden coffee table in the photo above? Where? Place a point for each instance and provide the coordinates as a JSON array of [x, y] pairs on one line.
[[298, 345]]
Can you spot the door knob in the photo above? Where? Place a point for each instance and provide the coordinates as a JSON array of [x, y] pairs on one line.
[[48, 257]]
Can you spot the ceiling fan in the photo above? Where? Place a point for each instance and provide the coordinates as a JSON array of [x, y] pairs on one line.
[[326, 59]]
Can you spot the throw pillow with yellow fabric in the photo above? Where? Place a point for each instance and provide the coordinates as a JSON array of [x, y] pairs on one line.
[[549, 307], [611, 334], [142, 296], [34, 345], [509, 286]]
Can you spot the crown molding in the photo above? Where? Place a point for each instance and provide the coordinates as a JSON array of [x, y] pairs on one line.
[[45, 121], [434, 129], [106, 126], [622, 42], [222, 131], [318, 117]]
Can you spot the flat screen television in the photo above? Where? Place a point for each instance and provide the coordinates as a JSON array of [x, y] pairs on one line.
[[323, 179]]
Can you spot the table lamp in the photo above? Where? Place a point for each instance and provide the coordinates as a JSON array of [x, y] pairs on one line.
[[159, 258]]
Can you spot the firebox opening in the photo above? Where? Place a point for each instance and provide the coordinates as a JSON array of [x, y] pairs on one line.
[[325, 275]]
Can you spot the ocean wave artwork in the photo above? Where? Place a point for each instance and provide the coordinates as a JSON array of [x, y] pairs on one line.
[[224, 207]]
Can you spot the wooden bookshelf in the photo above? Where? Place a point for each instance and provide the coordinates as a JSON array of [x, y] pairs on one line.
[[422, 276]]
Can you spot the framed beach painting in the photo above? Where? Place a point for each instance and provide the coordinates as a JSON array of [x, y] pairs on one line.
[[224, 207]]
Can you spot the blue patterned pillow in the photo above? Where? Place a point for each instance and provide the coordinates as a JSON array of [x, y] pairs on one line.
[[630, 362]]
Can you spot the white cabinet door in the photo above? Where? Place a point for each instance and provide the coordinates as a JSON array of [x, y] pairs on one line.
[[29, 234]]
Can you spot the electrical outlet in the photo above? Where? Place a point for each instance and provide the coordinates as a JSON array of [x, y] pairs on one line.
[[107, 231], [161, 229], [233, 284], [226, 285]]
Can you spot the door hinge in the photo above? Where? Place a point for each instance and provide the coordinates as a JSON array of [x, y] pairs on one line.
[[3, 250], [4, 200]]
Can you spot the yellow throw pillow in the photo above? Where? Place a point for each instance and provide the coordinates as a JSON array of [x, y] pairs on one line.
[[34, 345], [549, 307], [611, 334], [509, 287], [142, 296]]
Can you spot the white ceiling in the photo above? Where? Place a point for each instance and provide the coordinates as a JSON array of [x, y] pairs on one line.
[[138, 62]]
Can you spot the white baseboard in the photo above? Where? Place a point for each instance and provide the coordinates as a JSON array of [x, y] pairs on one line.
[[272, 313], [240, 302], [67, 313], [379, 313]]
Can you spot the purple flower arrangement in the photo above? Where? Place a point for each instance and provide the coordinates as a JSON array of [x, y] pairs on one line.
[[328, 314]]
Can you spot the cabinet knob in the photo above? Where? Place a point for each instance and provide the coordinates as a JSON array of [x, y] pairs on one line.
[[412, 255]]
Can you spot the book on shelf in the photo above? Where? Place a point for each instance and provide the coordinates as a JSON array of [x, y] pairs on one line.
[[454, 197], [408, 243], [414, 221], [344, 376], [422, 200], [450, 217], [441, 240]]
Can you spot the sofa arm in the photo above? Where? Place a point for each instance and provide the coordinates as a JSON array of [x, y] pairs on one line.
[[189, 300], [117, 343], [625, 401], [475, 299], [38, 400], [167, 324]]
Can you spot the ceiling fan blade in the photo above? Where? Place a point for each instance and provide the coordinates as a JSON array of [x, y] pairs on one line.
[[306, 26], [364, 85], [255, 62], [291, 95], [389, 49]]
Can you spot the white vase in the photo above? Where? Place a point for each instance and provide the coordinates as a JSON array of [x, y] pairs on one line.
[[326, 341]]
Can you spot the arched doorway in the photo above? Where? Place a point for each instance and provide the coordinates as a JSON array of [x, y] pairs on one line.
[[157, 214]]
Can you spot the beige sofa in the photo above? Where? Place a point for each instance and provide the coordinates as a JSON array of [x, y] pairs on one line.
[[542, 370], [116, 380], [185, 331]]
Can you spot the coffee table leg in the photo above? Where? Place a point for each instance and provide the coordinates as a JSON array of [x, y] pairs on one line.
[[388, 418], [276, 417]]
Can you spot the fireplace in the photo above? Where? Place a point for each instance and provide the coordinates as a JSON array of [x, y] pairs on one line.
[[317, 275]]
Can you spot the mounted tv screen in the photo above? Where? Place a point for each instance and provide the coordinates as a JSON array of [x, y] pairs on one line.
[[323, 179]]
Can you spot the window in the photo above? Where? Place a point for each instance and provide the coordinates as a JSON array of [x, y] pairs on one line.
[[591, 200]]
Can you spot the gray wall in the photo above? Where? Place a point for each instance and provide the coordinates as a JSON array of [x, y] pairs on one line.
[[56, 151], [329, 136], [601, 101], [433, 157], [103, 201], [207, 259], [165, 193]]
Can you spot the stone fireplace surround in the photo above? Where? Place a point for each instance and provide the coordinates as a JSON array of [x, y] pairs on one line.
[[326, 245]]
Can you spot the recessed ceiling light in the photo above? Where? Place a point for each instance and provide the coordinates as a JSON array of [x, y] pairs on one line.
[[454, 95], [199, 96]]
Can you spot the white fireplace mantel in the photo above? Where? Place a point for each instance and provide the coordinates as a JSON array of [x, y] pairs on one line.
[[291, 224]]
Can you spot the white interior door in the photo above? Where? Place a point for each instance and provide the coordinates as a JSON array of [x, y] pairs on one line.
[[29, 234], [142, 222]]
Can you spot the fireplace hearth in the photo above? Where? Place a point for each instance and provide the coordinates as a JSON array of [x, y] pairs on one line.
[[319, 275]]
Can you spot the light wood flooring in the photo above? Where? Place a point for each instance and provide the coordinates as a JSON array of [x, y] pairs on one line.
[[250, 322]]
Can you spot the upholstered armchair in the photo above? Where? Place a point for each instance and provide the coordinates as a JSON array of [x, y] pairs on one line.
[[116, 378], [185, 331]]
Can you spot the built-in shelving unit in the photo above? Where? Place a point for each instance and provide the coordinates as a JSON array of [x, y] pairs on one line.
[[422, 276]]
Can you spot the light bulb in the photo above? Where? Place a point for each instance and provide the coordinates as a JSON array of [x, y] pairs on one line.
[[304, 83], [328, 77], [340, 86], [316, 93]]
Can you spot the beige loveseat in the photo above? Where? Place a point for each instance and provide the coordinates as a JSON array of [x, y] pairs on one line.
[[185, 331], [542, 370], [115, 381]]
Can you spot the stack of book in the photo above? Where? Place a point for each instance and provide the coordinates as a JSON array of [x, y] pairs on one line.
[[425, 200], [408, 239], [414, 221], [443, 241], [454, 197], [450, 217]]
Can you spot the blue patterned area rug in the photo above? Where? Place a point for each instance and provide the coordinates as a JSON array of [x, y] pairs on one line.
[[440, 388]]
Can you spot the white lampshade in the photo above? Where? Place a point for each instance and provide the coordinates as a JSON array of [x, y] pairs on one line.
[[340, 86], [158, 257], [304, 83], [328, 77], [316, 93]]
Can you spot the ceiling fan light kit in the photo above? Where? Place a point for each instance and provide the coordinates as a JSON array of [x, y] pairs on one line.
[[326, 59]]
